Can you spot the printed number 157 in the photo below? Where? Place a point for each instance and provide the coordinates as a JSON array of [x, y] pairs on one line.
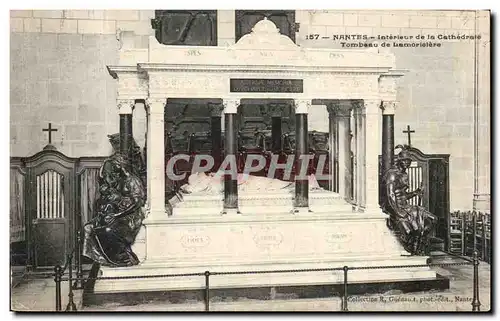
[[312, 36]]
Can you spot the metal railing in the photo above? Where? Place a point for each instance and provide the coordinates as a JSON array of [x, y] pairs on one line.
[[58, 277], [469, 231], [207, 274], [79, 280]]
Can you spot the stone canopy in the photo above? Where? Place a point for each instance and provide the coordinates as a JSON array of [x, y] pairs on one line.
[[160, 71]]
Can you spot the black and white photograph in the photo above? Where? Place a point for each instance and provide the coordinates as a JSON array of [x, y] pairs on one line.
[[323, 160]]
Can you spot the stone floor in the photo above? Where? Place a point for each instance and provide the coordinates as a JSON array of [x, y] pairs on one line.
[[39, 295]]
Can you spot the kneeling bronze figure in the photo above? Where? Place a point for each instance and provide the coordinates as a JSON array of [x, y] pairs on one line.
[[110, 235], [413, 223]]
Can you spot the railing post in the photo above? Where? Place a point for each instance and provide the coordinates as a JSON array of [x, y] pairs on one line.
[[482, 217], [207, 291], [57, 278], [462, 236], [474, 231], [344, 299], [475, 299], [71, 304], [485, 239], [79, 268]]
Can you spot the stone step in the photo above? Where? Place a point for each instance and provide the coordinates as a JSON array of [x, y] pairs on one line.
[[17, 275], [437, 244], [281, 202], [258, 299], [281, 277]]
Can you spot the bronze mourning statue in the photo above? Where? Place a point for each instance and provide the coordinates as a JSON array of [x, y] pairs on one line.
[[137, 163], [413, 223], [119, 211]]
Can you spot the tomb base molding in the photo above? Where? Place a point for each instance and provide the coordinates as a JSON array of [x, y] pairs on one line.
[[263, 242]]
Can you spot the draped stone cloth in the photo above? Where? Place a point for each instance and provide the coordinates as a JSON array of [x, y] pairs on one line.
[[213, 183]]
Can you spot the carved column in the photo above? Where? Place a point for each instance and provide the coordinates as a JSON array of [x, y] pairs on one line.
[[276, 129], [388, 109], [301, 151], [126, 108], [359, 116], [230, 150], [216, 133], [156, 159], [371, 132], [340, 147], [344, 176], [351, 155], [482, 115], [355, 154], [332, 130]]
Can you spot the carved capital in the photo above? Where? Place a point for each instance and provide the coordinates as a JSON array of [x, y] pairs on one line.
[[125, 106], [216, 110], [332, 108], [231, 106], [371, 106], [357, 104], [388, 107], [155, 105], [302, 106], [340, 108], [276, 110]]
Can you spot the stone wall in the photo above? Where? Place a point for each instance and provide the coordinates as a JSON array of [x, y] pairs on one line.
[[58, 75], [436, 95]]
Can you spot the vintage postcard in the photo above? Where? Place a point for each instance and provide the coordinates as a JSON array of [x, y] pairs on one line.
[[250, 160]]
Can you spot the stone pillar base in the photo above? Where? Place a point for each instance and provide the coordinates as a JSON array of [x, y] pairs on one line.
[[230, 211]]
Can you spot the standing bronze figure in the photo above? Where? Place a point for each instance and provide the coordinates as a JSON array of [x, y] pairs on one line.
[[413, 223], [111, 233]]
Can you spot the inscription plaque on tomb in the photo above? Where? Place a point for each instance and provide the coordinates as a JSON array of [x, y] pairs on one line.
[[266, 85], [268, 238], [195, 240]]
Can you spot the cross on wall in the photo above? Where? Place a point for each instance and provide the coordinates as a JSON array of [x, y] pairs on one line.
[[49, 130], [409, 131]]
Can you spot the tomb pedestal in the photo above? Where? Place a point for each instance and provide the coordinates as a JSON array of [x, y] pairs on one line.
[[263, 241], [265, 236]]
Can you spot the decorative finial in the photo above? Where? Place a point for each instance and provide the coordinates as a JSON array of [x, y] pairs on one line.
[[265, 26], [49, 147]]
